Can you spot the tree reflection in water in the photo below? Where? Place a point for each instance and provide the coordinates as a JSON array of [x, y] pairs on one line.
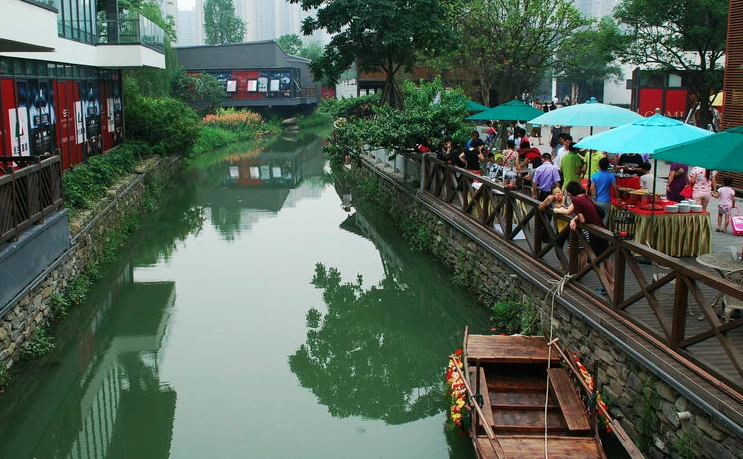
[[379, 352]]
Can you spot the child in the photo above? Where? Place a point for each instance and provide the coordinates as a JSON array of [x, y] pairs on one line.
[[727, 201]]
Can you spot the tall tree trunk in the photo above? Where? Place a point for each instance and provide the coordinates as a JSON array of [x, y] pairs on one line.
[[391, 93]]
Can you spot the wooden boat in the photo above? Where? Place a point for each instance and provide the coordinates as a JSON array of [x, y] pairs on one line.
[[510, 373]]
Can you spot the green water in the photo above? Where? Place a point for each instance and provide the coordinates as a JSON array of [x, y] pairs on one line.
[[254, 317]]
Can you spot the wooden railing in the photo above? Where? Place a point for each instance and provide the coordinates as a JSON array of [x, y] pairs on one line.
[[657, 306], [29, 193]]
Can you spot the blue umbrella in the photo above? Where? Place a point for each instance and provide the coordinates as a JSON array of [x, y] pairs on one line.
[[643, 136], [510, 111], [591, 113]]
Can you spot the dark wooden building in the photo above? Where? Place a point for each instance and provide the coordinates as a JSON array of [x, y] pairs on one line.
[[256, 75]]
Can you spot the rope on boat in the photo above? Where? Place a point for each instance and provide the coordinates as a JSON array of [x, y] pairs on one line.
[[557, 288]]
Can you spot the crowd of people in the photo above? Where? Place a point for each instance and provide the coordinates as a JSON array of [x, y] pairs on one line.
[[555, 179]]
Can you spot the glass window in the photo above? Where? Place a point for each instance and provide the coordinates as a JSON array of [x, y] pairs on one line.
[[674, 81], [31, 68], [19, 67], [41, 69], [6, 66], [68, 71]]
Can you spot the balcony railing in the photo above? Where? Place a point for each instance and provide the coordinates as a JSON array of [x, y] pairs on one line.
[[29, 193], [140, 31]]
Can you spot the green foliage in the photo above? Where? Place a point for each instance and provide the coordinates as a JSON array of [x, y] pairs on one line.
[[221, 24], [211, 138], [60, 307], [510, 45], [290, 43], [428, 115], [230, 126], [168, 125], [590, 54], [87, 182], [4, 377], [347, 108], [311, 50], [383, 35], [685, 446], [511, 316], [41, 344], [202, 90], [648, 423], [464, 272], [660, 31]]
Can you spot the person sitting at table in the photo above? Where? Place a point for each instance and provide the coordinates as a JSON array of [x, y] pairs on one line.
[[601, 184], [704, 183], [560, 204], [496, 170], [646, 178], [629, 163], [571, 165], [586, 212], [676, 181]]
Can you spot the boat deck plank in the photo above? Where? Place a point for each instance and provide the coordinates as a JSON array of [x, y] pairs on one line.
[[532, 447], [571, 406], [506, 349]]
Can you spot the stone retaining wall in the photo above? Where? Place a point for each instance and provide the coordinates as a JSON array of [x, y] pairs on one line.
[[649, 409], [89, 232]]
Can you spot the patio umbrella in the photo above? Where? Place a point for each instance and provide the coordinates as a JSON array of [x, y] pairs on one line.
[[644, 136], [591, 113], [475, 107], [510, 111], [721, 151]]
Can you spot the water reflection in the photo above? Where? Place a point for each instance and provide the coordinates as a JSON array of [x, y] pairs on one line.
[[104, 396], [247, 186], [379, 351]]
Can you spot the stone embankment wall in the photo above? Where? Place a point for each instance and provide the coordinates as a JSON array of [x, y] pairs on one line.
[[649, 409], [88, 232]]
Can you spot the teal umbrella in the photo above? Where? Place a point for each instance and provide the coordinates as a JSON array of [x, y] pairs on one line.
[[644, 136], [591, 113], [475, 107], [721, 151], [510, 111]]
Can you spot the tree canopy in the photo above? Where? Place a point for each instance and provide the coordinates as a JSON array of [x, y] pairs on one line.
[[221, 24], [290, 43], [590, 54], [384, 35], [511, 44], [685, 35]]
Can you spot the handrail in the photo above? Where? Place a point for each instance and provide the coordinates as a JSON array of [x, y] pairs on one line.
[[28, 193], [515, 219], [497, 448]]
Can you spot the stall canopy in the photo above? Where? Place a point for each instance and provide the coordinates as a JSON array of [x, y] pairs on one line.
[[475, 107], [644, 136], [510, 111], [591, 113], [722, 151]]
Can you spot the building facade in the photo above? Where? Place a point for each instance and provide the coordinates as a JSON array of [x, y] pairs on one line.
[[60, 75]]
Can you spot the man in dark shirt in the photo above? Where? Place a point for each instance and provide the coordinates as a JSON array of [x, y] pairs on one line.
[[585, 212], [630, 163]]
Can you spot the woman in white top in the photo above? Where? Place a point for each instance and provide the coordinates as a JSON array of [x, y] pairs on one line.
[[704, 183]]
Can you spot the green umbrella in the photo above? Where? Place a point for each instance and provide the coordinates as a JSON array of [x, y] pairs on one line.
[[475, 107], [510, 111], [721, 151]]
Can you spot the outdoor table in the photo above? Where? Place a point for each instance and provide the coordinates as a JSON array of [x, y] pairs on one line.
[[676, 234], [722, 262]]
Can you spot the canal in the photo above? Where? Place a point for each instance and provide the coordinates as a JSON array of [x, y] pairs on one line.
[[254, 317]]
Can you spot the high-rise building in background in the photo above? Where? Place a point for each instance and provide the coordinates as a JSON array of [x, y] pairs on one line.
[[595, 8], [265, 20]]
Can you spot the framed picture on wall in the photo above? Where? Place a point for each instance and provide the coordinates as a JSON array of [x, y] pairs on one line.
[[252, 85], [231, 85]]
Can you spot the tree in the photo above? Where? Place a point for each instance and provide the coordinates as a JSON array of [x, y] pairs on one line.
[[590, 55], [203, 90], [511, 44], [311, 51], [687, 35], [221, 25], [290, 43], [384, 34]]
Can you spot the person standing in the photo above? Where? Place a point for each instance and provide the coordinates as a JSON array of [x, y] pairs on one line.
[[601, 184], [555, 143], [586, 212], [472, 157], [705, 183], [726, 194], [646, 178], [546, 176], [676, 181], [571, 165]]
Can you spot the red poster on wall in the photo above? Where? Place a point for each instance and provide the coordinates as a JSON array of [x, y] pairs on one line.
[[675, 103], [7, 96], [63, 123], [649, 100]]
